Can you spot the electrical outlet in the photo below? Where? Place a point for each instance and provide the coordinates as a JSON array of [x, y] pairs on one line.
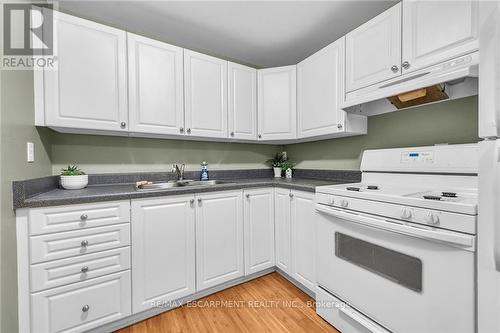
[[30, 152]]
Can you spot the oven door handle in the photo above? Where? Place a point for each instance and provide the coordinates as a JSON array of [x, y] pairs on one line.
[[466, 242], [362, 320]]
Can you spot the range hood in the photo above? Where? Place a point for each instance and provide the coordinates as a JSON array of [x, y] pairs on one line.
[[452, 79]]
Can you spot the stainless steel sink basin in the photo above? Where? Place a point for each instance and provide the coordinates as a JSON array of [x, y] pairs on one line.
[[182, 183]]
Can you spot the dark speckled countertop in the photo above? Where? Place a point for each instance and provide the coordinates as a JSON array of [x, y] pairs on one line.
[[45, 192]]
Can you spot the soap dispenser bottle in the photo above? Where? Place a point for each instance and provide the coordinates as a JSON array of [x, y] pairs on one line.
[[204, 171]]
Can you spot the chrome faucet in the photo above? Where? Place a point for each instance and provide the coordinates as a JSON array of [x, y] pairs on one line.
[[179, 171]]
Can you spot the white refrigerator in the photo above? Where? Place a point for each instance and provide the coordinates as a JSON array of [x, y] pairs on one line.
[[488, 253]]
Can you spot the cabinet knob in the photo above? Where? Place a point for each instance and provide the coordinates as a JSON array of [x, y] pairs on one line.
[[232, 133], [405, 65], [247, 195], [339, 126], [191, 201], [188, 131], [394, 68], [85, 308], [260, 136], [84, 243], [199, 200], [84, 269], [290, 195], [84, 217], [181, 130], [123, 124]]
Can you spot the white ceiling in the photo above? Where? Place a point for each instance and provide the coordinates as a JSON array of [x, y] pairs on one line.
[[258, 33]]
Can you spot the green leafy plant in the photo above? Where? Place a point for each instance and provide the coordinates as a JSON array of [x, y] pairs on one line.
[[72, 170], [276, 160], [286, 165]]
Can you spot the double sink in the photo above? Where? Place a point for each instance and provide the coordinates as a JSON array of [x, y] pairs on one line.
[[179, 183]]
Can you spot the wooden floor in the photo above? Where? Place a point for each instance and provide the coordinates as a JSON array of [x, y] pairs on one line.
[[266, 304]]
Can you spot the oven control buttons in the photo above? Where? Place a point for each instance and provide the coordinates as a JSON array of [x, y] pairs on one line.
[[405, 213], [344, 203], [331, 201], [431, 218]]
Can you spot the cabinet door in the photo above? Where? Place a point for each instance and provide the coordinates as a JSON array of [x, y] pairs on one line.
[[373, 50], [89, 88], [163, 254], [242, 83], [282, 198], [303, 238], [155, 86], [219, 238], [320, 90], [258, 222], [436, 31], [205, 94], [277, 103]]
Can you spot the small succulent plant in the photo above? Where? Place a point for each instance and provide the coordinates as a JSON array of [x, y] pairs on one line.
[[286, 165], [72, 170]]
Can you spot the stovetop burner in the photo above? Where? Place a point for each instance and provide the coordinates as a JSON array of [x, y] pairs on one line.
[[449, 194], [353, 188], [432, 197], [372, 187]]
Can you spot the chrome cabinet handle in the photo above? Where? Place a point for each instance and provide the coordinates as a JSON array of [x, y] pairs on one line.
[[394, 68], [339, 126], [290, 195], [191, 201], [83, 217], [199, 200], [84, 243], [232, 133], [85, 308], [188, 131], [84, 269], [405, 65], [260, 136], [181, 129], [247, 195], [123, 124]]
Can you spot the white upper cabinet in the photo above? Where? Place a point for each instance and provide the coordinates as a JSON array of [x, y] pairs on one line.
[[219, 238], [435, 31], [88, 91], [155, 75], [205, 95], [320, 90], [373, 50], [163, 254], [242, 94], [258, 207], [277, 103]]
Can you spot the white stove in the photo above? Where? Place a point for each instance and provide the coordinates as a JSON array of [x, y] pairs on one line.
[[405, 234]]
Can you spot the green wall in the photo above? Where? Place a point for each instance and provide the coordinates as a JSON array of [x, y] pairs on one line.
[[447, 122], [16, 128]]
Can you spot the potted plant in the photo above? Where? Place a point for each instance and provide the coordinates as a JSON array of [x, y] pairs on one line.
[[287, 167], [73, 178], [276, 163]]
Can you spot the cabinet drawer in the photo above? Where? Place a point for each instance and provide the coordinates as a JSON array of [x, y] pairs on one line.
[[74, 217], [65, 271], [82, 306], [74, 243]]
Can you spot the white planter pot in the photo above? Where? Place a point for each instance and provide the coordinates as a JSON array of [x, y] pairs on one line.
[[74, 182], [277, 172]]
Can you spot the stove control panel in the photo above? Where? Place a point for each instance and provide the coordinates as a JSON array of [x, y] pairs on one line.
[[425, 157], [435, 218]]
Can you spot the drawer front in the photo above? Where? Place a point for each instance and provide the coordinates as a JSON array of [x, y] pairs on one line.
[[75, 217], [65, 271], [82, 306], [75, 243]]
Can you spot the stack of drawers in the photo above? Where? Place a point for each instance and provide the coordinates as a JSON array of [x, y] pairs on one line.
[[79, 266]]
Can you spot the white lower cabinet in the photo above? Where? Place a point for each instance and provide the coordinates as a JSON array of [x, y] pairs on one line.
[[219, 238], [295, 235], [282, 201], [82, 306], [163, 256], [258, 207], [303, 231]]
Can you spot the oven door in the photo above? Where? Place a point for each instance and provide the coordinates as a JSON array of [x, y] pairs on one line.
[[405, 277]]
